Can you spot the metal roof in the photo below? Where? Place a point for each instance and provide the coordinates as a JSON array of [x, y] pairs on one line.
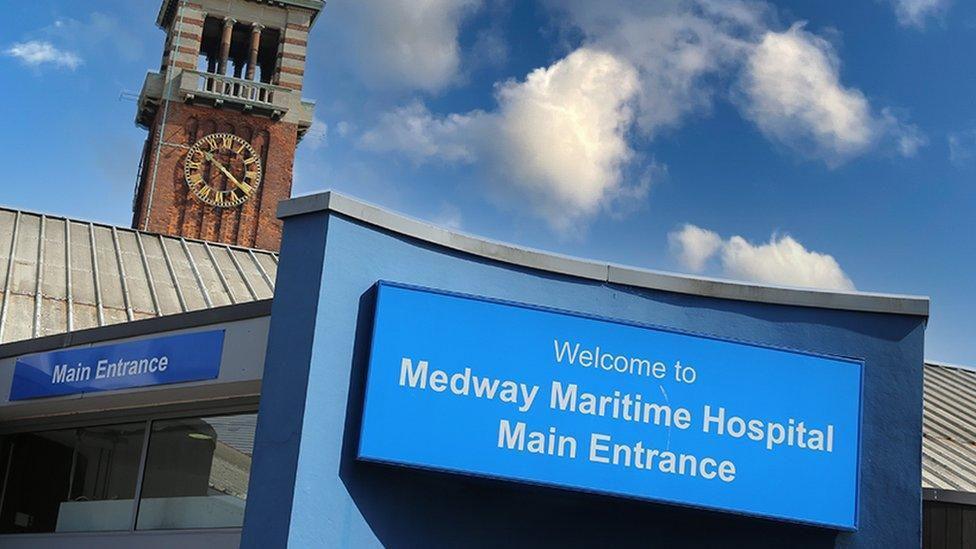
[[949, 428], [61, 275]]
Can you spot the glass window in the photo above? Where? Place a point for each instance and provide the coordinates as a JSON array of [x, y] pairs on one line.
[[70, 480], [197, 471]]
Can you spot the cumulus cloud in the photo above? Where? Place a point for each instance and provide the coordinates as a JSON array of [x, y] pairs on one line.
[[563, 132], [556, 140], [781, 261], [914, 13], [785, 261], [694, 246], [789, 81], [35, 53], [678, 47], [401, 43], [792, 88], [559, 141]]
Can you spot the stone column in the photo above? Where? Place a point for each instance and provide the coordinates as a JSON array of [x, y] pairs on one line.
[[252, 60], [225, 45]]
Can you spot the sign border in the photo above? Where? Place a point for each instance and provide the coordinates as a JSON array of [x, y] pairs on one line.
[[854, 361]]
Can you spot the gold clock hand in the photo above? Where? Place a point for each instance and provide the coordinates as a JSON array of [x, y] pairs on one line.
[[244, 187]]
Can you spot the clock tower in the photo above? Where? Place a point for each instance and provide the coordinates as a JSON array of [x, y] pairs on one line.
[[224, 114]]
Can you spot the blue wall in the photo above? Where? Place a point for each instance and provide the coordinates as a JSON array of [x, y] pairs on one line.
[[308, 490]]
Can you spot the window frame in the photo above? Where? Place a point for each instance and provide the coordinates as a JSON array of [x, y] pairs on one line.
[[247, 405]]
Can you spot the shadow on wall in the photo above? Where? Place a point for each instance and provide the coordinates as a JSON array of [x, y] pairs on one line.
[[413, 508]]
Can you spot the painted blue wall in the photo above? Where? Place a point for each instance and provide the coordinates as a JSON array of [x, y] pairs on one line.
[[308, 490]]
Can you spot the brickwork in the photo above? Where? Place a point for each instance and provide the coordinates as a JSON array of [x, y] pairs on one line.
[[173, 210], [163, 202]]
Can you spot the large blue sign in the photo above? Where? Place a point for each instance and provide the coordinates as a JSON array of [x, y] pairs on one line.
[[156, 361], [469, 385]]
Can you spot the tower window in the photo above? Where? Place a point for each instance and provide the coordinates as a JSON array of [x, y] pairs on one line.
[[239, 52]]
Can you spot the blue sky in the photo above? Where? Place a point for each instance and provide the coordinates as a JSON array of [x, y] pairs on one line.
[[799, 143]]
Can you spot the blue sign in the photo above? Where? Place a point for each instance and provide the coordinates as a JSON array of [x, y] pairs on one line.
[[511, 391], [157, 361]]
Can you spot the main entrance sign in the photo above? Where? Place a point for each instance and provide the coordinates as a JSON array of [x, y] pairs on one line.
[[481, 387], [156, 361]]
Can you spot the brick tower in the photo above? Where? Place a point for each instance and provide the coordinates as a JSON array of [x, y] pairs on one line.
[[224, 114]]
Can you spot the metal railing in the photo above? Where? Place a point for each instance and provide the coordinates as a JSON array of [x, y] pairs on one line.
[[236, 88]]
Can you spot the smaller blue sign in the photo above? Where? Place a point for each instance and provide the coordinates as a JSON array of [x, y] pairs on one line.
[[157, 361]]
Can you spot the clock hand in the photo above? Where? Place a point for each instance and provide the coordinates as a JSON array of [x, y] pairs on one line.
[[244, 187]]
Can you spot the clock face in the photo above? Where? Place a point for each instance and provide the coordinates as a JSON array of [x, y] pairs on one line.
[[222, 170]]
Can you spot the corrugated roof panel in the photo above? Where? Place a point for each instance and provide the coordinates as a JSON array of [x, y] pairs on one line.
[[136, 279], [82, 272], [54, 284], [169, 301], [93, 275], [7, 220], [270, 267], [110, 278], [53, 310], [949, 429], [232, 274], [24, 274], [252, 273], [183, 273], [207, 272], [83, 296]]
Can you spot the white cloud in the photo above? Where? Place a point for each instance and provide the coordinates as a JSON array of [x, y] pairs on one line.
[[557, 140], [788, 82], [792, 91], [35, 53], [563, 133], [781, 261], [913, 13], [962, 147], [784, 261], [414, 131], [694, 246], [409, 44], [678, 47]]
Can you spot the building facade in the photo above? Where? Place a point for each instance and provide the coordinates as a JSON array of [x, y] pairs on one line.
[[386, 382], [72, 286]]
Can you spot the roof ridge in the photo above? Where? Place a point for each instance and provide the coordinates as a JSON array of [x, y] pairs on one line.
[[947, 365]]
